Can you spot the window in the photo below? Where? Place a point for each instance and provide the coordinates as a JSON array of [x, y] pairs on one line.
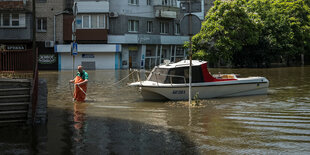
[[102, 21], [12, 20], [133, 26], [93, 21], [164, 27], [6, 19], [177, 28], [149, 26], [148, 2], [179, 51], [169, 2], [133, 2], [86, 21], [164, 2], [15, 19], [41, 24]]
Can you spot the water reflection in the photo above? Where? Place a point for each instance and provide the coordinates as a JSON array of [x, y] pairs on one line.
[[80, 124], [118, 121]]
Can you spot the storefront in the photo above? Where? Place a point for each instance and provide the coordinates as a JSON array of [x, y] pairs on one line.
[[91, 56], [146, 51], [47, 58]]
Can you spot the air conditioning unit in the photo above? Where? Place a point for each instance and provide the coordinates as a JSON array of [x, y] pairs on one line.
[[113, 14], [49, 43]]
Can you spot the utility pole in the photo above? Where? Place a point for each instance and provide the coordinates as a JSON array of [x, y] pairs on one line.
[[190, 54], [74, 44], [34, 34]]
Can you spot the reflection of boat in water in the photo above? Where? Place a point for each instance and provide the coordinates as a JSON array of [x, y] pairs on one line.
[[170, 81]]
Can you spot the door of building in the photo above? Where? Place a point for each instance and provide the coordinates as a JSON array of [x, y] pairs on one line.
[[133, 59]]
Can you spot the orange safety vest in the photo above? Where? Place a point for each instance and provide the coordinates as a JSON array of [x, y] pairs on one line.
[[79, 95]]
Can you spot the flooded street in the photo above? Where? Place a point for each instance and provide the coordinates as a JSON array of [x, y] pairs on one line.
[[116, 120]]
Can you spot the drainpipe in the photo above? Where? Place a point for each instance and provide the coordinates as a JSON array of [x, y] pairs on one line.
[[55, 23]]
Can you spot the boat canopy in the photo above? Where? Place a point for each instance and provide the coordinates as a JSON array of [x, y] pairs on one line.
[[177, 73]]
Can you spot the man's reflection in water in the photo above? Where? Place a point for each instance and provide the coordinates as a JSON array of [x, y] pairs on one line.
[[80, 124]]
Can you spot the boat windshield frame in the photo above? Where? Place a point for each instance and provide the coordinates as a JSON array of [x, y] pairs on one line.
[[154, 72], [174, 75]]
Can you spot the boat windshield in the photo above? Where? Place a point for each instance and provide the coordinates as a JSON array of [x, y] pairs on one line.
[[176, 75]]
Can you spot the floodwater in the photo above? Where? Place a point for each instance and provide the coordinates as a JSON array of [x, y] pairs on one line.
[[116, 120]]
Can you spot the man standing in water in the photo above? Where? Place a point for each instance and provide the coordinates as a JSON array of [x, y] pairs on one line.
[[80, 82]]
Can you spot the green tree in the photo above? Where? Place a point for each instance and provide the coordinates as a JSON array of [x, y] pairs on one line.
[[254, 32], [285, 31], [228, 28]]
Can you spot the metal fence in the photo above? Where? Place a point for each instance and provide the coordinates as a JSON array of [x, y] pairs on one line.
[[16, 64], [21, 60]]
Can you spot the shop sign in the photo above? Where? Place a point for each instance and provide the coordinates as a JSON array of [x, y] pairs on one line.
[[15, 47], [4, 47], [133, 48], [88, 56], [47, 58]]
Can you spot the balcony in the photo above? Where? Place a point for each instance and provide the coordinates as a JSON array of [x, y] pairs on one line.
[[169, 12], [22, 31], [83, 35], [13, 5]]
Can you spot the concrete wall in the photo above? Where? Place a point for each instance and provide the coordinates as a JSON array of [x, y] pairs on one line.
[[102, 60], [119, 25], [48, 10], [146, 39], [41, 113], [123, 8]]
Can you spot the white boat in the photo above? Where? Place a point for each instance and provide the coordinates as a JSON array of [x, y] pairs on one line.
[[170, 81]]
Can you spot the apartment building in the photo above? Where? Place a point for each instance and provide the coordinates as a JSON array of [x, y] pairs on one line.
[[122, 34], [15, 25], [208, 4], [149, 32], [91, 30], [49, 30], [110, 34]]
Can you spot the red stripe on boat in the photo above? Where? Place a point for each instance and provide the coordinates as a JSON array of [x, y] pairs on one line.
[[208, 77]]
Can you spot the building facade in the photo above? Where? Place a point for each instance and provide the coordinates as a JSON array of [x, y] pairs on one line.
[[110, 34], [49, 30], [122, 34], [149, 32], [91, 30], [15, 25]]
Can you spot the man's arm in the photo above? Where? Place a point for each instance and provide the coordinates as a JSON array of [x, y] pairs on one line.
[[71, 81], [83, 82]]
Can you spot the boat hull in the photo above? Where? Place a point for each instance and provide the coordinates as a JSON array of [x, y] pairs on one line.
[[205, 91]]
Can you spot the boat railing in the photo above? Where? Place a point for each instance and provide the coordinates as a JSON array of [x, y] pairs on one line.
[[181, 65], [138, 73]]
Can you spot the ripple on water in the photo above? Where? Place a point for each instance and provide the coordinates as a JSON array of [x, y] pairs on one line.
[[113, 107]]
